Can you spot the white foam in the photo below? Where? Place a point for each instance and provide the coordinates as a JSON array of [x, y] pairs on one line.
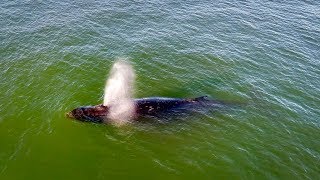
[[118, 93]]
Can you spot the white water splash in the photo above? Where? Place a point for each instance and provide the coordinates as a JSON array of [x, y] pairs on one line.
[[118, 92]]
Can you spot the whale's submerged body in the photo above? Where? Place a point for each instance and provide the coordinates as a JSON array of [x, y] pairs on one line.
[[145, 107]]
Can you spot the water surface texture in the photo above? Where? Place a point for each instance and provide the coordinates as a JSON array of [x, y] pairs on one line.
[[262, 55]]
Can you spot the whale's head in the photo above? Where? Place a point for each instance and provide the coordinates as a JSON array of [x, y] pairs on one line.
[[96, 114]]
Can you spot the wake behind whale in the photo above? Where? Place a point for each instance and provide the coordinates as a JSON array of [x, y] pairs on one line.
[[119, 106]]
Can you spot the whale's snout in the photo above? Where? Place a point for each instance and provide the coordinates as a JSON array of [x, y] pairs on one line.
[[78, 113], [89, 113], [70, 115]]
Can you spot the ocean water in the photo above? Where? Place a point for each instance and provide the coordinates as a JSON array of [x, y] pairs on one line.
[[262, 56]]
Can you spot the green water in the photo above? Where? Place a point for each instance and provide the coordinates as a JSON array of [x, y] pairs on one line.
[[264, 55]]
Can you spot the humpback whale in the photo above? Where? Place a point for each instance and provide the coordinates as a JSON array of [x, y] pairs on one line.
[[144, 107], [119, 106]]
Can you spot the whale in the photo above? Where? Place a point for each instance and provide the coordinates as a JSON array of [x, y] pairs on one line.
[[143, 107], [119, 106]]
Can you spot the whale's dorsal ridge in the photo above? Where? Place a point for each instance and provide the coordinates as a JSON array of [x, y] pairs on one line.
[[201, 98]]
